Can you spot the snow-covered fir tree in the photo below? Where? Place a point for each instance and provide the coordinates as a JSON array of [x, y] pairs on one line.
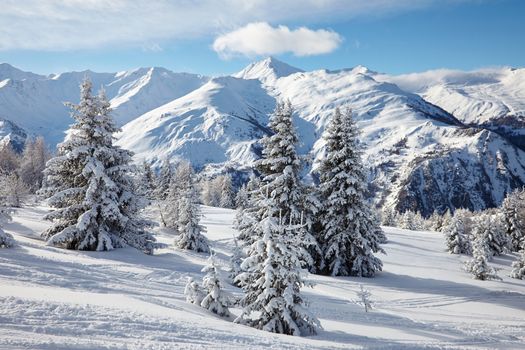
[[513, 215], [227, 193], [491, 225], [245, 217], [236, 261], [440, 220], [280, 168], [241, 197], [275, 237], [190, 231], [479, 266], [388, 216], [518, 267], [193, 292], [350, 232], [89, 185], [457, 240], [13, 190], [162, 185], [410, 220], [146, 181], [273, 279], [6, 240], [182, 175], [216, 299]]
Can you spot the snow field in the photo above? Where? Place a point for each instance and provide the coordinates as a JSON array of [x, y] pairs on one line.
[[58, 299]]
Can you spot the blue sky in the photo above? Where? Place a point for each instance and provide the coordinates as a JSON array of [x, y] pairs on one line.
[[388, 36]]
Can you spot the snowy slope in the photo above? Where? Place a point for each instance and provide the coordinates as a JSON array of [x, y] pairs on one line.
[[36, 103], [59, 299], [493, 97], [218, 123], [414, 126], [409, 142]]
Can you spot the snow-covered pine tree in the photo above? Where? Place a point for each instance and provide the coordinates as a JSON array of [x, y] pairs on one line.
[[13, 190], [181, 176], [6, 240], [350, 232], [241, 197], [216, 299], [227, 192], [478, 266], [518, 267], [146, 181], [236, 261], [273, 279], [162, 185], [492, 225], [388, 216], [190, 231], [456, 237], [445, 220], [513, 211], [280, 168], [89, 185], [193, 292], [245, 217]]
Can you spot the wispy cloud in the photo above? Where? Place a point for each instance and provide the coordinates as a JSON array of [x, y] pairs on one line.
[[260, 38], [81, 24]]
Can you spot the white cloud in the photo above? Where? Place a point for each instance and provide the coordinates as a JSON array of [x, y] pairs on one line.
[[81, 24], [262, 39]]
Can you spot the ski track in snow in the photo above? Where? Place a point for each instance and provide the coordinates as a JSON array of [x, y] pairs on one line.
[[58, 299]]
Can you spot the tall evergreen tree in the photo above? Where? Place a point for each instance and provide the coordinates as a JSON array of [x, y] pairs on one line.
[[146, 181], [89, 185], [350, 232], [216, 299], [276, 238], [190, 231], [6, 240], [163, 180], [513, 211], [273, 279], [478, 266], [518, 267], [227, 193], [456, 237]]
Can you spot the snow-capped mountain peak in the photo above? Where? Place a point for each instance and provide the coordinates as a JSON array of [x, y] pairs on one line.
[[267, 70]]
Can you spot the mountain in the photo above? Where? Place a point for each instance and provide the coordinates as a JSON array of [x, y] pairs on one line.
[[36, 103], [493, 98], [421, 153]]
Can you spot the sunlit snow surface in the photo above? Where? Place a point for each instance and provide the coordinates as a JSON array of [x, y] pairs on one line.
[[57, 299]]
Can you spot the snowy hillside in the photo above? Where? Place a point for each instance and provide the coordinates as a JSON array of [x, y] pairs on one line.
[[36, 103], [218, 125], [57, 299], [423, 133], [491, 97]]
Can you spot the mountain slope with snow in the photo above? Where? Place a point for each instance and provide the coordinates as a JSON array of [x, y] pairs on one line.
[[36, 103], [424, 134], [423, 299], [493, 98], [404, 136]]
